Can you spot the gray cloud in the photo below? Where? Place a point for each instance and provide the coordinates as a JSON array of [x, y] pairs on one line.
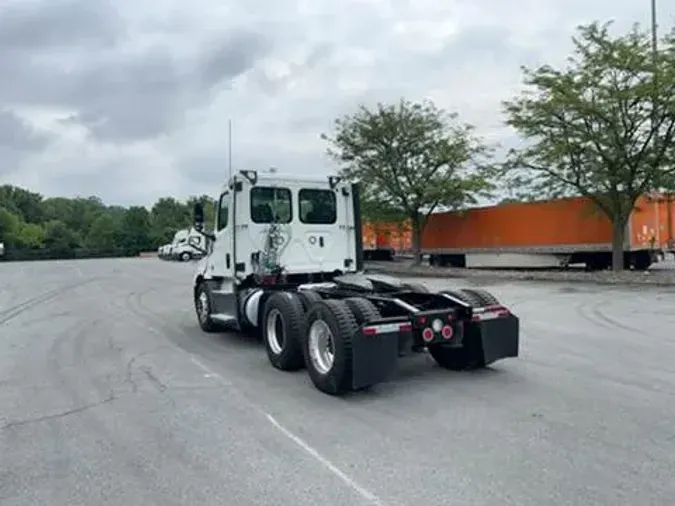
[[146, 88], [18, 135], [142, 97], [77, 55], [26, 26], [17, 139]]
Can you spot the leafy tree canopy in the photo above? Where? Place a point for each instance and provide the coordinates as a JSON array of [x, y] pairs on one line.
[[32, 226], [602, 127], [410, 158]]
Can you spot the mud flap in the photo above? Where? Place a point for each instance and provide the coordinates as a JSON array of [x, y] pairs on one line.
[[375, 353], [499, 338]]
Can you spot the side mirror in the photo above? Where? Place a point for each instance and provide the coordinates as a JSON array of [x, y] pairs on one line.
[[198, 216]]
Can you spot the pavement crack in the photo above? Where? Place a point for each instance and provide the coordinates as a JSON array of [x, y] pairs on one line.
[[158, 384], [129, 376], [154, 379], [63, 414]]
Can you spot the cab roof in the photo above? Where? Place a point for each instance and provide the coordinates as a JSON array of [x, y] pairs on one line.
[[276, 178]]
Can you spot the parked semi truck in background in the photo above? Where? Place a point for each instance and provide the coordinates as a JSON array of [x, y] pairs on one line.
[[543, 234]]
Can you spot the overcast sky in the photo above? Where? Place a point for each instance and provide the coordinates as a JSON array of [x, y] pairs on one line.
[[130, 100]]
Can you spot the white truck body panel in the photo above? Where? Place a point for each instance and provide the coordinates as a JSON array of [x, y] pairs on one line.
[[321, 246]]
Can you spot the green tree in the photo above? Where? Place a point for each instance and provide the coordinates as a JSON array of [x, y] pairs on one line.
[[31, 235], [602, 127], [9, 227], [136, 226], [60, 239], [25, 204], [411, 158], [169, 212], [105, 233]]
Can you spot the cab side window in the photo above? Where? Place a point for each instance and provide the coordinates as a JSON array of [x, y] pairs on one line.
[[223, 212]]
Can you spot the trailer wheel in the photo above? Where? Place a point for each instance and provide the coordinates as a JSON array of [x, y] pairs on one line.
[[416, 287], [329, 327], [203, 305], [486, 298], [363, 310], [282, 329], [307, 298]]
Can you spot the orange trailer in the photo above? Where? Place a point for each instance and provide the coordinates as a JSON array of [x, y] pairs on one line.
[[376, 241], [545, 234], [384, 240]]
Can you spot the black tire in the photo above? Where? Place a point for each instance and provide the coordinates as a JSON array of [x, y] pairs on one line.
[[468, 298], [307, 298], [337, 379], [185, 256], [485, 297], [283, 316], [456, 359], [416, 287], [363, 310], [203, 301]]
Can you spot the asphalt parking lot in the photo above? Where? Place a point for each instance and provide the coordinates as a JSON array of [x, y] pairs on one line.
[[110, 394]]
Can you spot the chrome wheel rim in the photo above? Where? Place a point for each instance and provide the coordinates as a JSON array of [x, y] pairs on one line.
[[321, 346], [203, 307], [275, 331]]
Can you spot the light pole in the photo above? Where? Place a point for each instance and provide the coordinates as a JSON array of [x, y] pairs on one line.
[[655, 55]]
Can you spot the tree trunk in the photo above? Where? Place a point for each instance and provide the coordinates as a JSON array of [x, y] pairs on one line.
[[417, 240], [618, 237]]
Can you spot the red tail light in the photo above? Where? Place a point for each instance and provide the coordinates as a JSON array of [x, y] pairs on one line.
[[428, 334], [446, 332]]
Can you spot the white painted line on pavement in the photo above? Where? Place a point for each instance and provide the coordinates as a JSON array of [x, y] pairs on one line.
[[360, 490], [366, 494]]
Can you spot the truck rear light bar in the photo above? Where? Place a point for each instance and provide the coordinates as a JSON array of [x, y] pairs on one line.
[[385, 328], [423, 320], [490, 313]]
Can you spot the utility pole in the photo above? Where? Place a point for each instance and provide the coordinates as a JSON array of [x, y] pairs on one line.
[[655, 58]]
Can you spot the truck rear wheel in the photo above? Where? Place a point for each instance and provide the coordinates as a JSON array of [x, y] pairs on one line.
[[307, 298], [465, 297], [282, 330], [416, 287], [329, 327], [485, 297], [455, 359], [185, 256], [363, 310]]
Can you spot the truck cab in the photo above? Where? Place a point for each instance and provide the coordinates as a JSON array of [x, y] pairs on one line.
[[272, 230], [186, 245]]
